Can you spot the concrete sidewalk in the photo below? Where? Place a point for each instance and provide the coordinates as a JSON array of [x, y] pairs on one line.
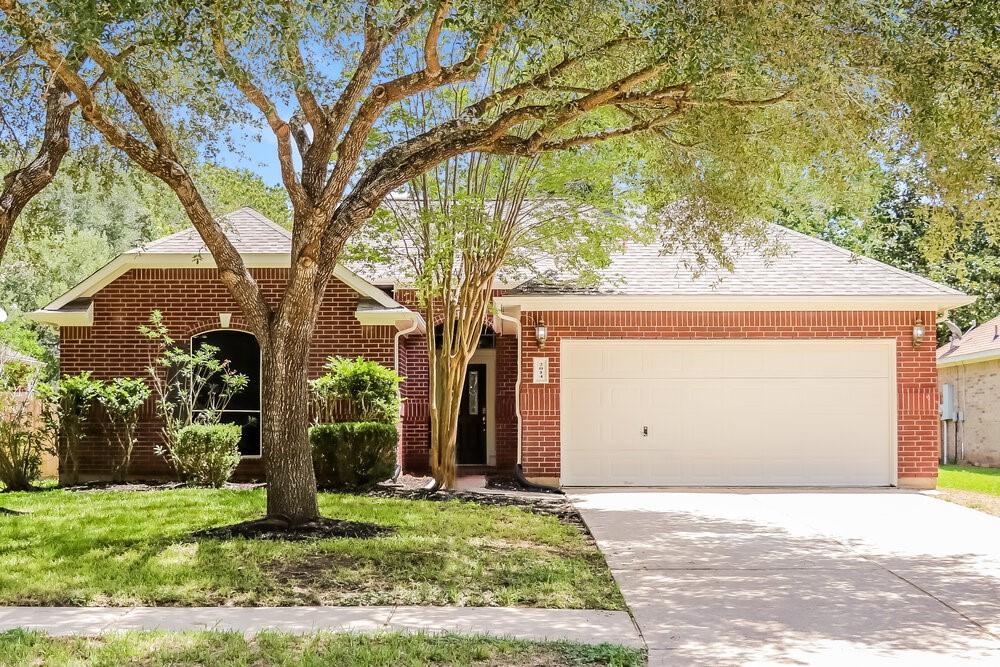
[[575, 625]]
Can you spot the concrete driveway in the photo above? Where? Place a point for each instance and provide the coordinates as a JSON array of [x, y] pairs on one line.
[[804, 577]]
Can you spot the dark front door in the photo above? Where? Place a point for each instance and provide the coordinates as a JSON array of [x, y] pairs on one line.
[[472, 418]]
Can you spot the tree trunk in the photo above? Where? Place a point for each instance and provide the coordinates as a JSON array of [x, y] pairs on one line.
[[450, 377], [291, 480]]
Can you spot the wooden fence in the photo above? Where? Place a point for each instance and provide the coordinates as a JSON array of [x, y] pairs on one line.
[[29, 406]]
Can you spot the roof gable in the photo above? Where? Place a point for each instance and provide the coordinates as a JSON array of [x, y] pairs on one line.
[[248, 231], [262, 243]]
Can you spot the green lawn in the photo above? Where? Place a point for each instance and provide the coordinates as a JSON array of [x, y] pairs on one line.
[[133, 548], [968, 478], [266, 649]]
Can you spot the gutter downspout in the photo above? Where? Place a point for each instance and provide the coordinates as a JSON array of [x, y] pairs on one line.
[[518, 469], [414, 325]]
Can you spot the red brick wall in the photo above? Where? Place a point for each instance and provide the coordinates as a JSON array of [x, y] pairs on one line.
[[416, 428], [916, 370], [191, 300]]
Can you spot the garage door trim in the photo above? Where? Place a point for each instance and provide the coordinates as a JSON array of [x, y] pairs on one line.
[[889, 344]]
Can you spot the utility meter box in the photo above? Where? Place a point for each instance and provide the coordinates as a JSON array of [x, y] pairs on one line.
[[949, 411]]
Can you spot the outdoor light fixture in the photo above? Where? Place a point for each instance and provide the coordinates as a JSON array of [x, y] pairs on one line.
[[225, 319], [541, 333], [919, 331]]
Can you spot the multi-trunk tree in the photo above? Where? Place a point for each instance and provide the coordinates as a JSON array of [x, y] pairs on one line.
[[729, 105]]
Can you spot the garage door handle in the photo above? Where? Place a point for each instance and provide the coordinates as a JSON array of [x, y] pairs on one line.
[[645, 431]]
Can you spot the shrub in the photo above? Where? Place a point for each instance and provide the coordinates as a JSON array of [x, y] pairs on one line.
[[371, 389], [191, 388], [353, 455], [22, 441], [22, 432], [121, 399], [66, 409], [206, 454]]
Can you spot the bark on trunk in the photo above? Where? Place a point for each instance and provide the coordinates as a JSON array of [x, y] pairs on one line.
[[450, 375], [291, 481]]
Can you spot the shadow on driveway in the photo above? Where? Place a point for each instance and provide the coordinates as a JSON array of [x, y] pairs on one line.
[[803, 576]]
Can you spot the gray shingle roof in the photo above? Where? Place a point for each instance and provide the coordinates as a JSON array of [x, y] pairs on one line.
[[249, 231], [980, 341], [804, 266]]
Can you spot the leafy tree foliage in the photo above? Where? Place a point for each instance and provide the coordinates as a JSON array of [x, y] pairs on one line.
[[721, 112]]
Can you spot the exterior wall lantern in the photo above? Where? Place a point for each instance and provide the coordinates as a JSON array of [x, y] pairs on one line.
[[919, 332], [541, 333]]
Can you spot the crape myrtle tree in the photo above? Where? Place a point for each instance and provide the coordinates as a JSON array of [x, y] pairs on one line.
[[476, 218], [722, 103]]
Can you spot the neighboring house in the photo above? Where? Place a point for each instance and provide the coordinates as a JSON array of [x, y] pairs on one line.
[[816, 367], [969, 376]]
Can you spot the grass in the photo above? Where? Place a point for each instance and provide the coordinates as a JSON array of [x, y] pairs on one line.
[[233, 649], [968, 478], [135, 548]]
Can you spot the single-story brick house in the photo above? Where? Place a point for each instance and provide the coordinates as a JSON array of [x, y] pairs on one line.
[[815, 367], [969, 377]]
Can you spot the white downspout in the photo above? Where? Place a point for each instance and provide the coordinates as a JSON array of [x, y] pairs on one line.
[[414, 325], [517, 383]]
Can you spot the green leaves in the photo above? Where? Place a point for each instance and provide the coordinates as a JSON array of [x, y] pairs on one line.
[[370, 389]]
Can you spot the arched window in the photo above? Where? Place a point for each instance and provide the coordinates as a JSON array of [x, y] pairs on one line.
[[243, 353]]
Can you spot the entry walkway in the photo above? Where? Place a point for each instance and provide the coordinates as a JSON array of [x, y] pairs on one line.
[[574, 625]]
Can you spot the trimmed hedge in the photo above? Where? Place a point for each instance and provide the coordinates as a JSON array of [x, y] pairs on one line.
[[207, 454], [353, 455]]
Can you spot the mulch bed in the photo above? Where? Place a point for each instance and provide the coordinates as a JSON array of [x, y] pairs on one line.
[[508, 483], [275, 529], [549, 504]]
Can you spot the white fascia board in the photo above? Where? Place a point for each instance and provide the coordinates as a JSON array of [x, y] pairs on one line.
[[364, 288], [178, 260], [400, 318], [969, 358], [719, 302], [60, 318]]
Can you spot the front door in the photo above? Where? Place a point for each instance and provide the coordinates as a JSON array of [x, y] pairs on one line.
[[472, 418]]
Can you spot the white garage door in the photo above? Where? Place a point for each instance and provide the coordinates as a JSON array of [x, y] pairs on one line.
[[728, 413]]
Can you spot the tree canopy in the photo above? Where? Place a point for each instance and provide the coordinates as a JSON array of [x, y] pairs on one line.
[[720, 114]]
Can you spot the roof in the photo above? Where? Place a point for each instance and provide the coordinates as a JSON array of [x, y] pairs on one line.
[[979, 344], [8, 354], [808, 274], [261, 242], [803, 268], [248, 231]]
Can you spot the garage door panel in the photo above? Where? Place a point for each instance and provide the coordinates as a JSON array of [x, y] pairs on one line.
[[775, 413]]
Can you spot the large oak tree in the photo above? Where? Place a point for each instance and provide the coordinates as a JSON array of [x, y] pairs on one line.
[[730, 107]]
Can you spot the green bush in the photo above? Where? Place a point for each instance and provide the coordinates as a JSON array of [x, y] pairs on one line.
[[122, 399], [66, 411], [22, 442], [371, 390], [353, 455], [206, 454]]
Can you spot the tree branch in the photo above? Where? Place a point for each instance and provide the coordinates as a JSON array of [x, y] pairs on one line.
[[432, 61], [21, 185], [257, 97], [235, 275]]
